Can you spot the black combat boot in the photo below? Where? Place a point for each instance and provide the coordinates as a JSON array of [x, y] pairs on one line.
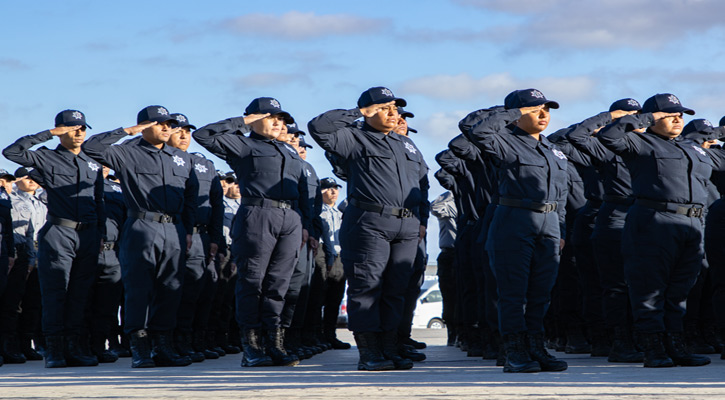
[[371, 356], [253, 352], [452, 336], [222, 340], [336, 343], [276, 351], [623, 349], [677, 350], [537, 352], [655, 355], [391, 351], [517, 358], [198, 344], [11, 351], [576, 343], [409, 352], [183, 347], [75, 355], [211, 344], [26, 346], [163, 353], [475, 342], [141, 350], [54, 357], [98, 347], [117, 348], [695, 341]]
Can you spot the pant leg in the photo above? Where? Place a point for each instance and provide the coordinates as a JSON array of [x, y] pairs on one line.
[[542, 277], [55, 260], [446, 282], [11, 300], [107, 295], [166, 295], [194, 268], [297, 282], [611, 272], [334, 292]]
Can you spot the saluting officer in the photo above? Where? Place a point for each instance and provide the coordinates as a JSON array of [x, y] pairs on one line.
[[526, 234], [160, 192], [662, 240], [200, 272], [386, 216], [268, 229], [71, 238]]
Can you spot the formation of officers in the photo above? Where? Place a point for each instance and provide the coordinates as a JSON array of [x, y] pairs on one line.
[[588, 240]]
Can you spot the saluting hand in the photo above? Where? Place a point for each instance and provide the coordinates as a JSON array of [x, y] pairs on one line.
[[138, 128], [660, 115], [62, 130], [372, 109], [532, 109], [248, 119], [617, 114]]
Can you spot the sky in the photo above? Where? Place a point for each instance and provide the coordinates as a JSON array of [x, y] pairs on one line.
[[209, 59]]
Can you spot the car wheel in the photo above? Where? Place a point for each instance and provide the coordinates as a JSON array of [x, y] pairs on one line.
[[436, 323]]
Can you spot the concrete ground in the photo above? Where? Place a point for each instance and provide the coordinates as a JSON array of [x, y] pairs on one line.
[[446, 374]]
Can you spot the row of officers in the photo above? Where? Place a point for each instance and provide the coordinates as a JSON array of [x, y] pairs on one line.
[[180, 248], [589, 240], [616, 203]]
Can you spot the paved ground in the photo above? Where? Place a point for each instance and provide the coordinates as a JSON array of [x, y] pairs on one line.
[[447, 374]]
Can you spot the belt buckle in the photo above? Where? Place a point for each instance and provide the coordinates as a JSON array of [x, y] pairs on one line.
[[406, 213], [549, 207], [166, 219], [285, 205], [694, 212]]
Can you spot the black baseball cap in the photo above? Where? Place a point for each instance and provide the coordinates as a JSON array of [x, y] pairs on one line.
[[527, 98], [154, 114], [665, 102], [379, 95], [326, 183], [71, 118], [722, 122], [405, 114], [231, 177], [22, 172], [304, 144], [4, 174], [294, 129], [182, 121], [627, 104], [268, 105]]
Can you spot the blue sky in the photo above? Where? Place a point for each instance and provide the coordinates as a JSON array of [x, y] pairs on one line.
[[209, 59]]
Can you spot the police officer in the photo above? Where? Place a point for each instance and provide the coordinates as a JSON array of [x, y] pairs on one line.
[[200, 271], [386, 217], [444, 209], [607, 234], [662, 240], [28, 216], [525, 235], [10, 278], [271, 224], [160, 191], [70, 240], [108, 289]]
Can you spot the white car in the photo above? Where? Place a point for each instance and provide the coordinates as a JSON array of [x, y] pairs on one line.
[[429, 310]]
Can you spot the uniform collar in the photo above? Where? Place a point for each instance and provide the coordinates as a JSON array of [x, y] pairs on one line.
[[256, 136], [66, 153], [376, 133], [527, 138]]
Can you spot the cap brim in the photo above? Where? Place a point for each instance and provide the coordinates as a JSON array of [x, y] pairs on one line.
[[679, 109], [412, 130], [552, 104], [407, 114], [12, 177], [398, 102]]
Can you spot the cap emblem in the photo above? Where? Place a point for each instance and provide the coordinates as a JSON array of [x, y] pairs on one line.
[[274, 103], [633, 103], [162, 111], [77, 115], [180, 118], [386, 92], [537, 94], [673, 99]]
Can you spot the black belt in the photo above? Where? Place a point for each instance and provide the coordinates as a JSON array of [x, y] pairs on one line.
[[153, 216], [258, 201], [201, 229], [109, 245], [528, 204], [379, 208], [69, 223], [691, 210], [611, 198]]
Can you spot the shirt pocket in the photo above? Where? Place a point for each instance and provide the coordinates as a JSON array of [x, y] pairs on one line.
[[64, 176], [671, 164], [376, 159], [263, 161], [530, 166]]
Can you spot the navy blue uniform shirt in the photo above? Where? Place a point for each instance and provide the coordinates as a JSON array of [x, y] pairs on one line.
[[210, 203], [115, 210], [381, 168], [74, 183], [152, 179], [529, 169], [662, 169], [265, 168], [315, 193]]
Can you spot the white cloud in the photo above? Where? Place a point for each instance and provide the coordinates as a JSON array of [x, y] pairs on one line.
[[493, 88], [298, 25], [439, 126], [606, 23]]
